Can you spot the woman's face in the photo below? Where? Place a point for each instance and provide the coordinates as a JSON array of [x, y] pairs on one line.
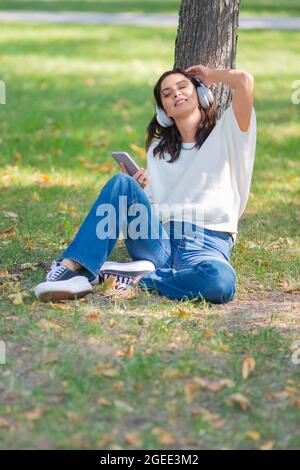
[[178, 95]]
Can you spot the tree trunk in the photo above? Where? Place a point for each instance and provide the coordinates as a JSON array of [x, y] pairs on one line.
[[207, 35]]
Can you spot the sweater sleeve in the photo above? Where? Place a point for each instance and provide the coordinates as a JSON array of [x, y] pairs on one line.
[[241, 151]]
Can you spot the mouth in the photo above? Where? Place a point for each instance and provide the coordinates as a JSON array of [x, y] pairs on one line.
[[179, 102]]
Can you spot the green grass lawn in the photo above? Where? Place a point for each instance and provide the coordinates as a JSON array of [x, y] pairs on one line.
[[116, 373], [248, 7]]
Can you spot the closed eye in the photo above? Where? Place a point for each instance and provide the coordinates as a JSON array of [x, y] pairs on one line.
[[180, 88]]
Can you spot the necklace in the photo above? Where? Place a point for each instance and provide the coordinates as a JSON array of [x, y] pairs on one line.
[[188, 146]]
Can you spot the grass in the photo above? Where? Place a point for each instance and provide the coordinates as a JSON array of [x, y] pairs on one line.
[[248, 7], [96, 373]]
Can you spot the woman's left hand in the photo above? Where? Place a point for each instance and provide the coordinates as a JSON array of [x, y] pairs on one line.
[[201, 72], [141, 176]]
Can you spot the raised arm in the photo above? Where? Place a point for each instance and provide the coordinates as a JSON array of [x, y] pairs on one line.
[[240, 81]]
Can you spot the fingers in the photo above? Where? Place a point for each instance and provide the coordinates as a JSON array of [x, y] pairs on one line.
[[192, 69], [141, 177]]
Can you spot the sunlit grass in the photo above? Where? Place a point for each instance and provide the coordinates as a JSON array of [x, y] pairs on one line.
[[74, 95]]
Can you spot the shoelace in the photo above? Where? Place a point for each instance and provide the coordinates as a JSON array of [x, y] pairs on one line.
[[55, 271], [122, 282]]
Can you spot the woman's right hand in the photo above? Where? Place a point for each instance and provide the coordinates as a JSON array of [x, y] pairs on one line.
[[202, 73], [141, 176]]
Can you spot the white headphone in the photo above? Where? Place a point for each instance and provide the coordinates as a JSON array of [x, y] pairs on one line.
[[206, 99]]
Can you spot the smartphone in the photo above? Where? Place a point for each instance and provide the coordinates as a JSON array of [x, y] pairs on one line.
[[124, 157]]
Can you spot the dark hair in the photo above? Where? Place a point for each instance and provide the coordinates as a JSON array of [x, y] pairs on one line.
[[170, 138]]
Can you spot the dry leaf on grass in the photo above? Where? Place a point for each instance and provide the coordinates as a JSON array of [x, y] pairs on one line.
[[4, 423], [214, 420], [139, 150], [289, 287], [133, 438], [129, 352], [34, 414], [164, 437], [267, 445], [107, 372], [240, 400], [16, 299], [32, 266], [123, 406], [254, 435], [248, 366], [49, 324], [281, 395]]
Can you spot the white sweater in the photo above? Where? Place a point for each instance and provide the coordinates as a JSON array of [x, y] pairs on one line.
[[208, 186]]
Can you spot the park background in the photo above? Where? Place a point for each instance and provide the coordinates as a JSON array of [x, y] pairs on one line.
[[140, 372]]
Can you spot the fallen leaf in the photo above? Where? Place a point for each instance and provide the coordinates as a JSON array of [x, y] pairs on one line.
[[4, 423], [123, 406], [171, 373], [34, 414], [120, 103], [10, 215], [248, 366], [268, 445], [287, 286], [107, 372], [214, 419], [139, 150], [163, 436], [214, 386], [129, 352], [16, 299], [32, 266], [104, 401], [181, 312], [49, 324], [209, 334], [42, 179], [52, 357], [281, 395], [254, 435], [104, 440], [94, 317], [133, 438], [118, 386], [240, 400], [74, 417]]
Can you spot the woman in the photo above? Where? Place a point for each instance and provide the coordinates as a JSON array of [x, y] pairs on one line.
[[193, 193]]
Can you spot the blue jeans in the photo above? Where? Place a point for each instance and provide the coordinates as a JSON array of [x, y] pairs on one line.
[[191, 264]]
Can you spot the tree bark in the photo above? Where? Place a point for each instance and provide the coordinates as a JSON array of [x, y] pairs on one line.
[[207, 35]]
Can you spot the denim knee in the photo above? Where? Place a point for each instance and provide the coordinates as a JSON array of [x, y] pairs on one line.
[[121, 178], [221, 281]]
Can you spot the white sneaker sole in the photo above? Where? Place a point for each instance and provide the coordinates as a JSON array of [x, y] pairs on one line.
[[62, 290], [133, 268]]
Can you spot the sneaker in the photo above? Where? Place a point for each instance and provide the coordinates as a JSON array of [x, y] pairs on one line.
[[125, 274], [62, 283]]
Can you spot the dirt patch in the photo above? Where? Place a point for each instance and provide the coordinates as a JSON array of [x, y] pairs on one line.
[[277, 309]]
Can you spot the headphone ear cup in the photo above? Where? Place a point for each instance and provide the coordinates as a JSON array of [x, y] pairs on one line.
[[162, 118], [206, 97], [210, 96], [202, 97]]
